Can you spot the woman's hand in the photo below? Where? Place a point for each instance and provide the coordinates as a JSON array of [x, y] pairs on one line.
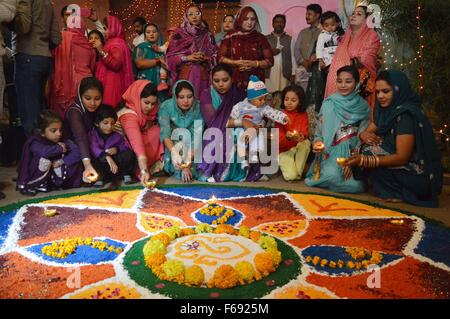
[[112, 165], [246, 124], [353, 160], [318, 147], [176, 158], [64, 146], [186, 175], [111, 151], [370, 138], [299, 137], [145, 177]]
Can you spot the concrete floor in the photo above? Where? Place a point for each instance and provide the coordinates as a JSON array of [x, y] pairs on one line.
[[441, 214]]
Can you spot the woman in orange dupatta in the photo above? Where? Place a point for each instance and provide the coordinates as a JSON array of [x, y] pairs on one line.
[[359, 46], [74, 61]]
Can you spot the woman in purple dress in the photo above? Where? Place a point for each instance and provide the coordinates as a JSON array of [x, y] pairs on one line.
[[49, 162], [192, 52]]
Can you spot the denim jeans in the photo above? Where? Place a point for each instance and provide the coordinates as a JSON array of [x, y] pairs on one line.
[[31, 76]]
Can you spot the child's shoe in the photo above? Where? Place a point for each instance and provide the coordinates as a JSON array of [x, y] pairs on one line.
[[211, 179], [264, 178], [98, 184], [28, 192], [128, 180]]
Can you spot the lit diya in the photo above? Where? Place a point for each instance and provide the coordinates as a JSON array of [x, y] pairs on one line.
[[150, 184], [50, 212], [212, 200], [185, 165], [397, 221], [92, 178], [320, 146], [293, 134], [341, 160]]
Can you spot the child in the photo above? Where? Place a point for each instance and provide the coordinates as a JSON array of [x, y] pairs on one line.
[[163, 75], [253, 109], [113, 156], [294, 145], [48, 162], [327, 44]]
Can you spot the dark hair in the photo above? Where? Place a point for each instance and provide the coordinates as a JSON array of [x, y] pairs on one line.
[[183, 85], [366, 12], [141, 20], [149, 90], [91, 83], [151, 24], [228, 15], [104, 111], [47, 117], [222, 67], [282, 16], [332, 15], [100, 35], [64, 10], [301, 96], [314, 7], [384, 76], [350, 69]]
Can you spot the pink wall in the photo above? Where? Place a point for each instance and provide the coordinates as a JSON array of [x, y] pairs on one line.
[[293, 9]]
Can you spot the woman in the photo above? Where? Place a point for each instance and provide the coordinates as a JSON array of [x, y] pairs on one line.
[[227, 25], [192, 52], [216, 104], [341, 117], [137, 117], [79, 120], [182, 111], [246, 49], [115, 68], [359, 46], [400, 155], [93, 36], [146, 59], [74, 60]]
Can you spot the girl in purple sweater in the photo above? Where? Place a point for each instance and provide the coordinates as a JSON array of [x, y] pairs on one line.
[[113, 157]]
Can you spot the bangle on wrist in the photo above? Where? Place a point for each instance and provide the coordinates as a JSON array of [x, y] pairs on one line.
[[184, 58], [144, 171]]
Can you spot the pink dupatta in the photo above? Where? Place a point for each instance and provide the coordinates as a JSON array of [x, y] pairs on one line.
[[364, 45]]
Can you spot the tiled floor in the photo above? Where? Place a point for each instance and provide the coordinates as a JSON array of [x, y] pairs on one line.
[[442, 213]]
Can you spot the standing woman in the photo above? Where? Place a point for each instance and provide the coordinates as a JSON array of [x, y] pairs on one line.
[[182, 111], [216, 104], [227, 25], [137, 116], [115, 68], [79, 120], [192, 52], [246, 49], [359, 47], [74, 61], [399, 154]]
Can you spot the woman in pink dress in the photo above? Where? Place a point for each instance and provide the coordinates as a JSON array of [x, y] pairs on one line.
[[359, 46], [137, 116], [115, 68]]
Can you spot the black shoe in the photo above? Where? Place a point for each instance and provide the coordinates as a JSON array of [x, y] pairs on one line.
[[28, 192], [2, 195]]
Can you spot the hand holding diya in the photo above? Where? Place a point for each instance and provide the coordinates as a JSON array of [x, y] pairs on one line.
[[50, 212], [212, 201], [319, 147], [185, 165], [92, 178]]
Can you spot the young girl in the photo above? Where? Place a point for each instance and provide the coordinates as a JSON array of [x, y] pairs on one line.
[[48, 162], [327, 44], [343, 116], [112, 155], [294, 144]]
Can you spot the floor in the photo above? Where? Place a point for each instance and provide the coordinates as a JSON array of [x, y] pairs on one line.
[[441, 214]]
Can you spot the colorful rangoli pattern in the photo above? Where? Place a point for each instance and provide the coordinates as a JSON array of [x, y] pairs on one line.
[[403, 255]]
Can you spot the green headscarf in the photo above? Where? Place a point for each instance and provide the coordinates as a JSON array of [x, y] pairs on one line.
[[337, 108], [151, 74]]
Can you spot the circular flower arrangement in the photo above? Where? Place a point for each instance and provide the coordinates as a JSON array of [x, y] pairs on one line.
[[207, 258]]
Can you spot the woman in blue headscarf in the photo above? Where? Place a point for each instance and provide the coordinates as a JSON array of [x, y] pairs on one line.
[[342, 116], [182, 112], [399, 154], [147, 58]]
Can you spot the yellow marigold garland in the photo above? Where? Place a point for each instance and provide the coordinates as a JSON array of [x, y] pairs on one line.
[[362, 258], [224, 277], [63, 248]]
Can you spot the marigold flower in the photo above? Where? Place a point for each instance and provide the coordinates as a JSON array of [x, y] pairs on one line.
[[224, 277], [173, 269], [162, 237], [153, 246], [267, 242], [244, 231], [173, 232], [255, 235], [225, 229], [194, 276], [246, 271], [155, 260], [263, 263]]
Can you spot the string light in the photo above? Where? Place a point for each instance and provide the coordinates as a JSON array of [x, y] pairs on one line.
[[421, 37], [216, 12]]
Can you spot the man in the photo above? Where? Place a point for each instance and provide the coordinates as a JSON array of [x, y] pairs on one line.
[[138, 27], [305, 44], [7, 12], [282, 71], [37, 31], [65, 14]]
